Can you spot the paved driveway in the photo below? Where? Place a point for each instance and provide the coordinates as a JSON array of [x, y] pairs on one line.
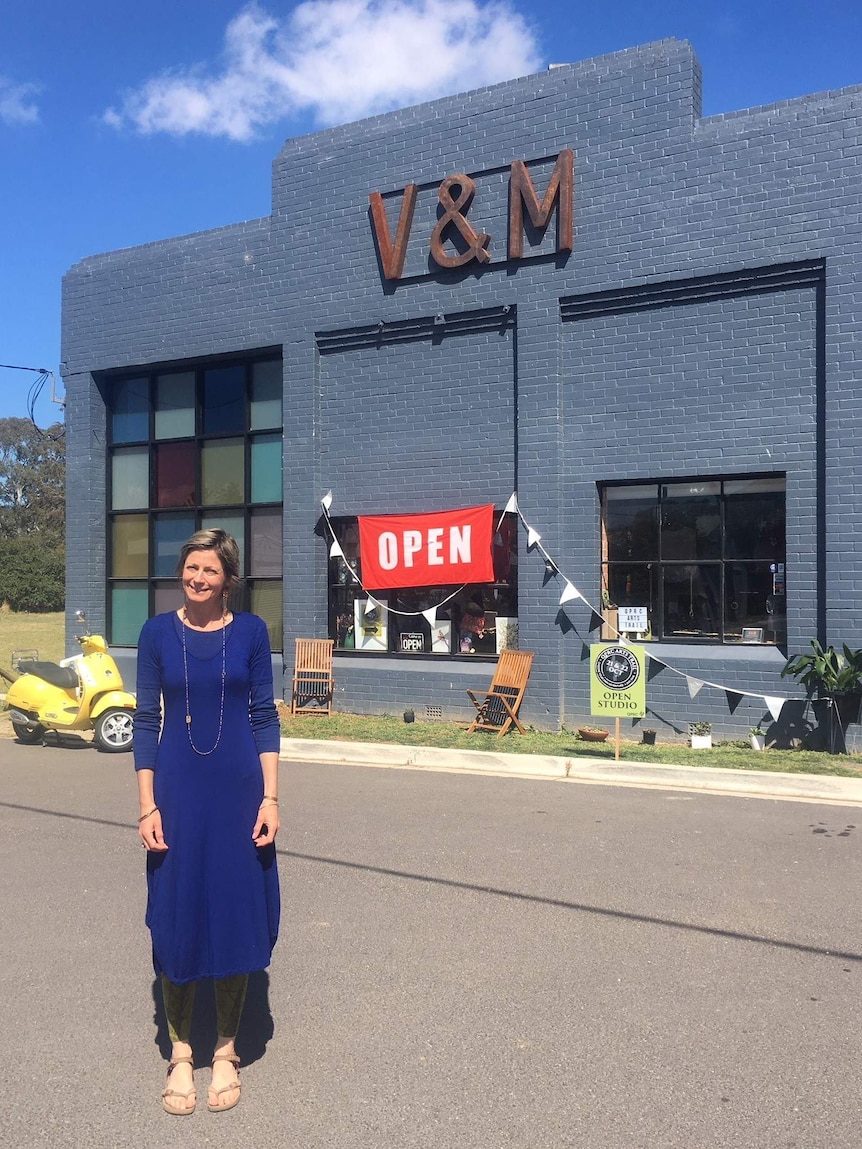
[[466, 962]]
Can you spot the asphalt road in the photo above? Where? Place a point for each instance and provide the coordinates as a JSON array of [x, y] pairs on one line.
[[465, 963]]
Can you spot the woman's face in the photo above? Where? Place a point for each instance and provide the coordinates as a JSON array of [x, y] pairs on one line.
[[203, 578]]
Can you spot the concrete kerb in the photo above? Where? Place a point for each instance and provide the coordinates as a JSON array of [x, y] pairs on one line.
[[587, 771]]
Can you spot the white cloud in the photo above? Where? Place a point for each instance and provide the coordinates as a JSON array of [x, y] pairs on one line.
[[337, 60], [16, 102]]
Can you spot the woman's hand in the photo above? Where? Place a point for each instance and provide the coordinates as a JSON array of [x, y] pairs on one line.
[[267, 824], [150, 831]]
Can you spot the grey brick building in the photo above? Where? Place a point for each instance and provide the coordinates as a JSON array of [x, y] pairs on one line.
[[674, 399]]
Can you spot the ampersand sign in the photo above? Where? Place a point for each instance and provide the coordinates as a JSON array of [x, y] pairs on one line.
[[454, 214]]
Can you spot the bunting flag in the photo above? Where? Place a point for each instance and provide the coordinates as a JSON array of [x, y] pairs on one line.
[[512, 506], [430, 615], [694, 685], [774, 706], [327, 500], [733, 699], [371, 604], [533, 537], [335, 550], [569, 593]]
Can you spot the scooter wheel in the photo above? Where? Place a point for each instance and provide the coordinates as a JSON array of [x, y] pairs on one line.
[[28, 734], [114, 731]]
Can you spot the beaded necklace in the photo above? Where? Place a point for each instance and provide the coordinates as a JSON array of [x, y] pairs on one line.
[[203, 753]]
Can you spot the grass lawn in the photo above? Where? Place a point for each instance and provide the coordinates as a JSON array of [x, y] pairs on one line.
[[42, 632], [728, 756]]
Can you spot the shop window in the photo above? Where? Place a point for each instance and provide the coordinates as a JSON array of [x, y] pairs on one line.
[[706, 558], [182, 456], [477, 619]]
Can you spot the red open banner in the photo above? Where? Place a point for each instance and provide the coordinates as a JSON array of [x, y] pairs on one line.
[[427, 549]]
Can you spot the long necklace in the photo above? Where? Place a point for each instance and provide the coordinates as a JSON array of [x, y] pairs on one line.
[[223, 678]]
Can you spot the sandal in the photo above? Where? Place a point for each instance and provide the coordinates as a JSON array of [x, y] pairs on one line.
[[170, 1106], [235, 1084]]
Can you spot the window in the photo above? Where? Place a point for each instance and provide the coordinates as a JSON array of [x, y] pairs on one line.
[[192, 449], [479, 619], [705, 557]]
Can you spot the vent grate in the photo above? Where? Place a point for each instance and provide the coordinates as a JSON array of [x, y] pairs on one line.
[[433, 711]]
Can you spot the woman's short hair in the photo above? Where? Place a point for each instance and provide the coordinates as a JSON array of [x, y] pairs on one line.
[[224, 545]]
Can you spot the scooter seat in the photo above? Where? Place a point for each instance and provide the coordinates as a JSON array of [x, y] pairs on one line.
[[62, 676]]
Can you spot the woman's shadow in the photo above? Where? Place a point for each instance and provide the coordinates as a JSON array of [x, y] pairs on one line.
[[256, 1028]]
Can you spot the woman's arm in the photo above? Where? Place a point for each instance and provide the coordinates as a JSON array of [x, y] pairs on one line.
[[268, 821]]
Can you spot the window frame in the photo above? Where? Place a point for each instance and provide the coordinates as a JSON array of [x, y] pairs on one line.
[[252, 584], [729, 634]]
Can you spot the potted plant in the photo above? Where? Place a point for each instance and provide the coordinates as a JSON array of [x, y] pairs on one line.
[[758, 738], [648, 736], [593, 733], [833, 681], [700, 735]]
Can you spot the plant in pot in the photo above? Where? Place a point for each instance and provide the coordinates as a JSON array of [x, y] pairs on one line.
[[593, 733], [700, 735], [758, 738], [833, 682]]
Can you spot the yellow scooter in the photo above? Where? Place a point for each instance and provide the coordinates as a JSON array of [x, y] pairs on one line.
[[78, 693]]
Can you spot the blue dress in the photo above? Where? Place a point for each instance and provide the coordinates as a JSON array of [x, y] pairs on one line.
[[213, 901]]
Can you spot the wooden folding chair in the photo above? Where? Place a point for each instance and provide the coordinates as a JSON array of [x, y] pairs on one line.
[[498, 708], [313, 683]]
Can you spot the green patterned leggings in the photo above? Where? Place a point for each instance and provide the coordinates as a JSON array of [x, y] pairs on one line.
[[180, 999]]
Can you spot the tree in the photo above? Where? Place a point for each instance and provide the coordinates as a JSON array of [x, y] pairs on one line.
[[32, 480], [32, 515]]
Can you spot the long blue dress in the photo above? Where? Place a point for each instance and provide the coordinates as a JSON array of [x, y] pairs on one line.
[[213, 901]]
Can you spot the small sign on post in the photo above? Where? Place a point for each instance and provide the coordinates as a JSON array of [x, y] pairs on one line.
[[632, 619], [617, 683]]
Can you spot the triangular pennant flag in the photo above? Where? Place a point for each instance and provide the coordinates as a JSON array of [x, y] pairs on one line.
[[327, 500], [370, 605], [335, 550], [512, 506], [430, 615], [733, 699], [533, 537], [569, 593], [774, 706], [596, 621], [654, 666], [694, 685]]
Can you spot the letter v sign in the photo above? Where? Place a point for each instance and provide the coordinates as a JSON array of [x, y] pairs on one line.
[[392, 257]]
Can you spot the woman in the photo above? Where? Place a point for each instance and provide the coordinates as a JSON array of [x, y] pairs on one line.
[[208, 787]]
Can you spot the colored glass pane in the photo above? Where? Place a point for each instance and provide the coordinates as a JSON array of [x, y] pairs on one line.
[[130, 478], [266, 602], [223, 472], [266, 480], [266, 395], [175, 405], [129, 548], [169, 534], [130, 410], [167, 596], [234, 525], [129, 610], [175, 475], [266, 542], [224, 400]]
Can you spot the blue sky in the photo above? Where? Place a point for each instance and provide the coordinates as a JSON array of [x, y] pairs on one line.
[[123, 123]]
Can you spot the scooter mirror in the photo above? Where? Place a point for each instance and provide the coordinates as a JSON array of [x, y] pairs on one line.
[[81, 615]]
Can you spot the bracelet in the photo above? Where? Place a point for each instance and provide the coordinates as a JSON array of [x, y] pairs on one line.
[[264, 804], [149, 814]]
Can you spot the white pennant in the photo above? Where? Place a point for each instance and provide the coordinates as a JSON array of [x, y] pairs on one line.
[[370, 605], [430, 615], [533, 537], [335, 550], [694, 685], [774, 705], [327, 500], [569, 593], [512, 506]]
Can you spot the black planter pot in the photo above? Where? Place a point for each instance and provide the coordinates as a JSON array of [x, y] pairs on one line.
[[834, 714], [648, 737]]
